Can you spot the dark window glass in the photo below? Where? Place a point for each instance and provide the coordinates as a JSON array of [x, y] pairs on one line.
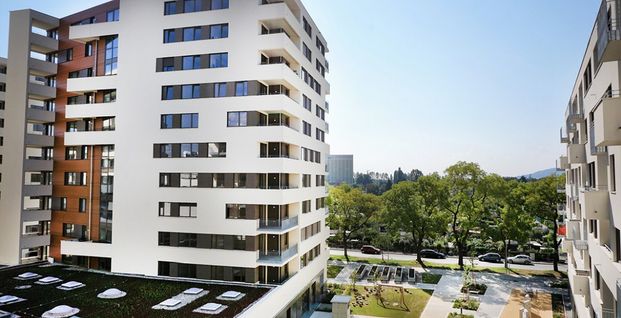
[[167, 121], [167, 93], [111, 58], [169, 36], [191, 34], [218, 31], [191, 62], [112, 15], [170, 7], [219, 89], [241, 89], [218, 60], [88, 49], [191, 6], [190, 91], [219, 4]]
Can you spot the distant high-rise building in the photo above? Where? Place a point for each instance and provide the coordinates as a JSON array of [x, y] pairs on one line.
[[593, 138], [175, 138], [340, 169]]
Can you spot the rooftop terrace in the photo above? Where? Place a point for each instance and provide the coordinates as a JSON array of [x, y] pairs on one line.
[[142, 293]]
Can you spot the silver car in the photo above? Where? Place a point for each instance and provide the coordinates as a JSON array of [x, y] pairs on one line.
[[519, 259]]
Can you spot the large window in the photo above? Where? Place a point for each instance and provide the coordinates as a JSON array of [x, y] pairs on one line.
[[191, 62], [111, 58], [191, 6], [170, 7], [307, 103], [307, 52], [306, 128], [189, 120], [190, 91], [168, 93], [219, 89], [307, 27], [191, 34], [189, 150], [177, 209], [218, 31], [75, 178], [112, 15], [219, 4], [237, 119], [109, 96], [169, 36], [241, 88], [218, 60]]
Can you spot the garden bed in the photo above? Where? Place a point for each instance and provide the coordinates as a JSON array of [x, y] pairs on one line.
[[458, 315], [429, 278], [478, 289], [334, 270], [472, 304]]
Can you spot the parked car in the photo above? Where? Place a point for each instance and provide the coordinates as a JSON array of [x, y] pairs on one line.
[[519, 259], [490, 257], [431, 254], [370, 249]]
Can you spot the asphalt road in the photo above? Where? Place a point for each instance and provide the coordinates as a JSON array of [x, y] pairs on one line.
[[450, 260]]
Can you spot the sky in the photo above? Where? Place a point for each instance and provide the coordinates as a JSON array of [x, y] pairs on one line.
[[424, 84]]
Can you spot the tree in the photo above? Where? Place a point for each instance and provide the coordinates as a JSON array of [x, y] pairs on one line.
[[509, 219], [542, 199], [398, 176], [468, 189], [384, 242], [350, 211], [415, 207]]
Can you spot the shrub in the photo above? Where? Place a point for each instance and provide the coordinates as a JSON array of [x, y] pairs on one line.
[[471, 304], [457, 315], [476, 288]]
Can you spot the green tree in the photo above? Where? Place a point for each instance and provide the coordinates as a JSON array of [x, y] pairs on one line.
[[384, 242], [509, 220], [351, 210], [542, 199], [414, 175], [468, 191], [415, 207]]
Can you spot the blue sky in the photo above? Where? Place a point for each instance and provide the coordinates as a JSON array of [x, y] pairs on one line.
[[424, 84]]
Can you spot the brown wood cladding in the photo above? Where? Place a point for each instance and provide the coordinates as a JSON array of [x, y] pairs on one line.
[[74, 193]]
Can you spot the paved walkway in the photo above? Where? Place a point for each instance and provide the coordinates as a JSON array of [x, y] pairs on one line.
[[441, 302]]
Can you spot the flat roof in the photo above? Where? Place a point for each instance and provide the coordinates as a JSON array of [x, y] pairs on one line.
[[143, 292]]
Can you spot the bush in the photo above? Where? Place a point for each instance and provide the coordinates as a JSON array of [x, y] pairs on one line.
[[457, 315], [471, 304], [563, 283], [475, 288], [334, 270]]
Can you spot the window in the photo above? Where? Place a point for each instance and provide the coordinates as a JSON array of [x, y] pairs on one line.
[[306, 180], [191, 34], [75, 178], [72, 153], [320, 46], [189, 150], [166, 151], [320, 112], [81, 205], [306, 206], [169, 36], [306, 102], [88, 49], [108, 124], [219, 90], [190, 91], [111, 58], [320, 68], [1, 105], [168, 64], [174, 209], [307, 128], [237, 119], [218, 60], [188, 180], [109, 96], [613, 174], [307, 27], [2, 87], [219, 4], [189, 120], [307, 52], [241, 89], [191, 62], [112, 15], [170, 7], [217, 150], [62, 204], [320, 180], [587, 78], [69, 54], [218, 31], [191, 6], [320, 135]]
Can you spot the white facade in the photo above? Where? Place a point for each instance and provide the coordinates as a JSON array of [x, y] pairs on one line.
[[593, 208], [340, 169]]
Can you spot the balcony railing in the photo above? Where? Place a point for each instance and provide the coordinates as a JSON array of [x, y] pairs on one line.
[[278, 224], [278, 256], [595, 150], [608, 30]]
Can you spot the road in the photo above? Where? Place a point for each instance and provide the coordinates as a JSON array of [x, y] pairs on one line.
[[542, 266]]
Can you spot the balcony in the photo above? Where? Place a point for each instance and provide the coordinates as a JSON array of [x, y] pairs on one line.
[[608, 46], [277, 225], [39, 140], [34, 240], [90, 138], [42, 68], [595, 203], [90, 84], [573, 114], [40, 91], [42, 44], [36, 215], [93, 110], [89, 32], [564, 138], [607, 122], [576, 153], [277, 257], [580, 282], [37, 190], [87, 248], [40, 115], [563, 163], [38, 165]]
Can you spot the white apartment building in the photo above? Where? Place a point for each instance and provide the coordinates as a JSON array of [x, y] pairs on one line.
[[340, 169], [188, 140], [593, 138]]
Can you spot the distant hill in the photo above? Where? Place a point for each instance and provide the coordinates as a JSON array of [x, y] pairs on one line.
[[542, 174]]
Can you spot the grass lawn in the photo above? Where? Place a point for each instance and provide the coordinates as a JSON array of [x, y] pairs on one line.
[[334, 270], [429, 278], [375, 261], [365, 303]]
